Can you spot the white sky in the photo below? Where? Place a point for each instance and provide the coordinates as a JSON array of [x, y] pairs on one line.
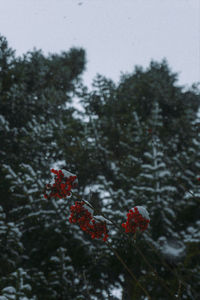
[[116, 34]]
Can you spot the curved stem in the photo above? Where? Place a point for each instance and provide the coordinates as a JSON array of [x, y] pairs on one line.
[[127, 268]]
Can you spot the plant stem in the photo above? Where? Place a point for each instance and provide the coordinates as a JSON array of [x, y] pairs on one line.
[[127, 268]]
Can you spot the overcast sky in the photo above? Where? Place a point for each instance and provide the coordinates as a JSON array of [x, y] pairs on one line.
[[116, 34]]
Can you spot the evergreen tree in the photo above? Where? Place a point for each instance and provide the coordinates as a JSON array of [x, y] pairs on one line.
[[33, 120], [163, 111], [135, 144]]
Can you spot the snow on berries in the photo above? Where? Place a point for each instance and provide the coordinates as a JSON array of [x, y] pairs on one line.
[[62, 184], [137, 219], [84, 218], [82, 211]]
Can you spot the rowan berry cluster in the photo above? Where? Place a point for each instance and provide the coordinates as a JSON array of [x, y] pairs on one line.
[[61, 186], [80, 215], [135, 220], [64, 181]]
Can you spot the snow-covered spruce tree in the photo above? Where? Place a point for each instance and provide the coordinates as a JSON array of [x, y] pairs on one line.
[[153, 182], [28, 99], [179, 113], [35, 89], [137, 93], [158, 192], [184, 166], [117, 138]]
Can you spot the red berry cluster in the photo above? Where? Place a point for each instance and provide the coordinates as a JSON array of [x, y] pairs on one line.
[[80, 215], [135, 220], [61, 187]]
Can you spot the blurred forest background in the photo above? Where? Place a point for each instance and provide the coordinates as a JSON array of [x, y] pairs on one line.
[[135, 143]]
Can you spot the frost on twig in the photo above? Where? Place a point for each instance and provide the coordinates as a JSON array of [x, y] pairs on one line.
[[102, 219]]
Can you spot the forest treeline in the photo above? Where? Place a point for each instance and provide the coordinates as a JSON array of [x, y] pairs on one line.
[[134, 143]]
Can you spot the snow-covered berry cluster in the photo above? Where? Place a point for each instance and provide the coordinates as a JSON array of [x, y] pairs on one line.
[[137, 218], [61, 186], [82, 212], [86, 221]]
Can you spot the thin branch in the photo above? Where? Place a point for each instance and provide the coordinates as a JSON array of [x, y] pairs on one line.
[[127, 268]]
